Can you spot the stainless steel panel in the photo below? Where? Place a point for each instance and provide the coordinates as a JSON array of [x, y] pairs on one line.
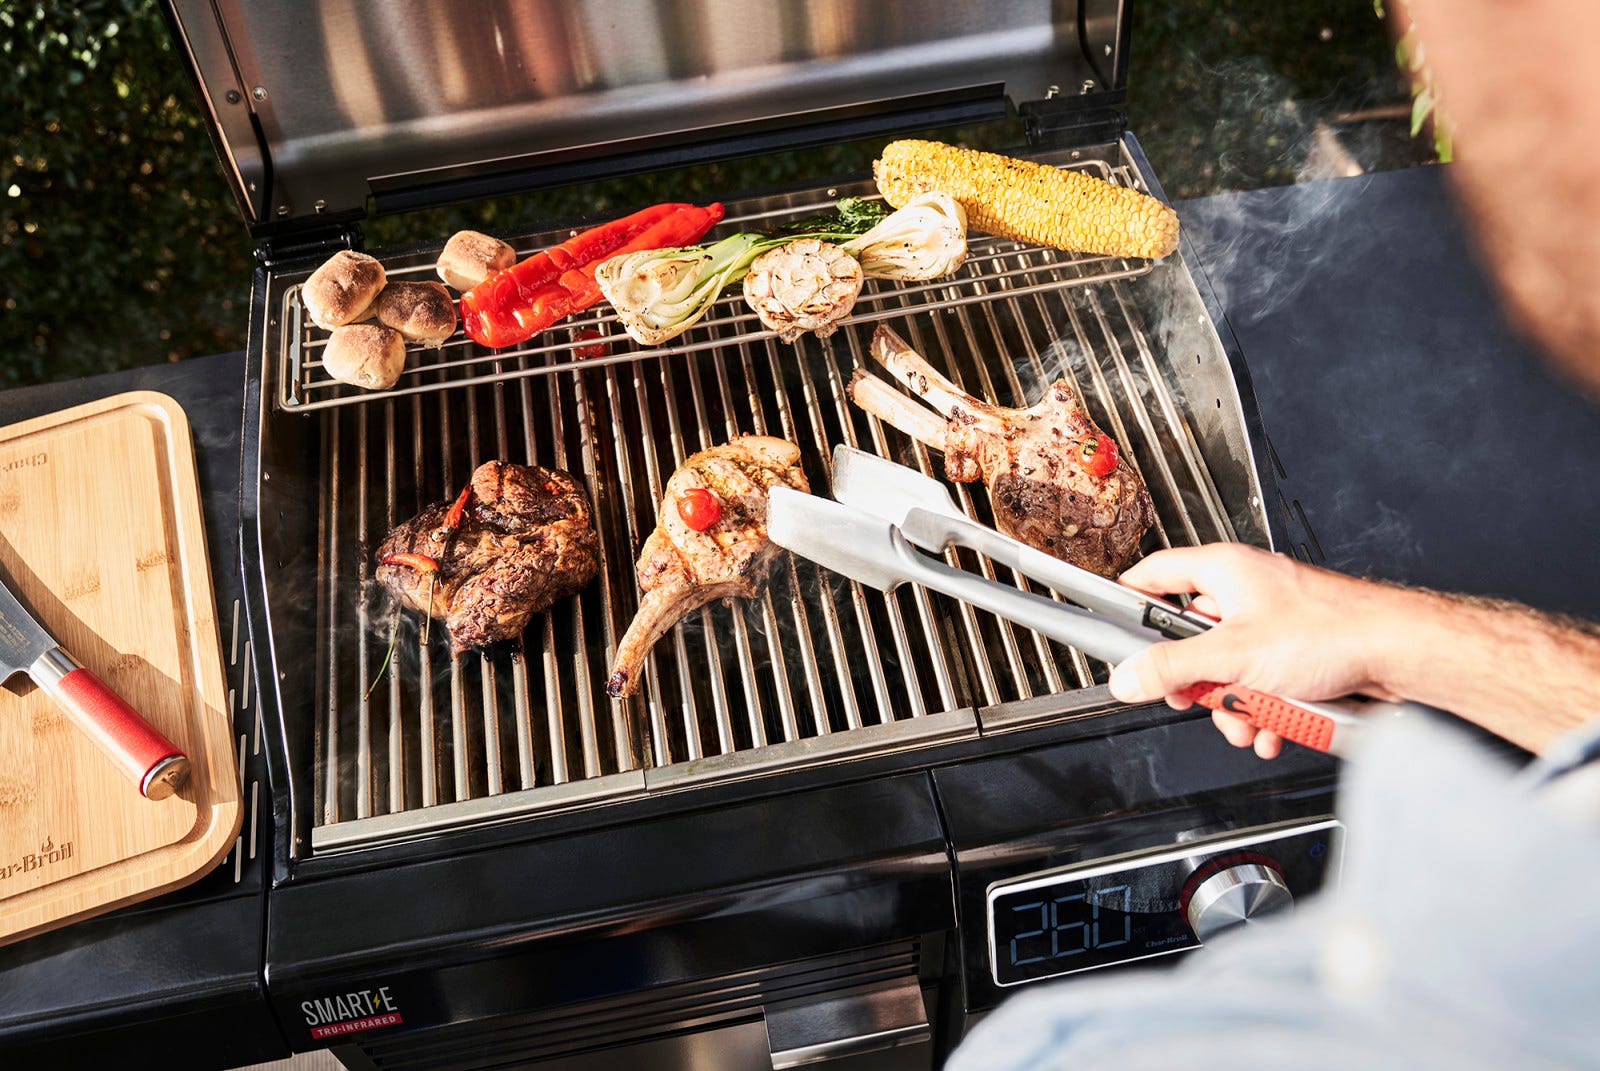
[[849, 1023], [737, 1047], [1105, 43], [352, 96], [226, 99], [714, 1022]]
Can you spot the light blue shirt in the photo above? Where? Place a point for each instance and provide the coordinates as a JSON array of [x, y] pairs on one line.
[[1465, 934]]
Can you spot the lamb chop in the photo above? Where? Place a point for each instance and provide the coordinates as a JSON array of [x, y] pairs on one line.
[[516, 540], [1056, 481], [710, 541]]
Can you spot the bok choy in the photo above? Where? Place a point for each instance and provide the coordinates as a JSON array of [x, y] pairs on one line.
[[660, 293]]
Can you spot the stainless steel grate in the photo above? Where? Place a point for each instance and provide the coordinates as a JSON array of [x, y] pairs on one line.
[[818, 668], [304, 383]]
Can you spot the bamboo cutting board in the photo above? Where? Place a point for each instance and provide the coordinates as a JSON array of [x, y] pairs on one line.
[[101, 536]]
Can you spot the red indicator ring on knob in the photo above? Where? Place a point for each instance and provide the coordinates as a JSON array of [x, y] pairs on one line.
[[1215, 866]]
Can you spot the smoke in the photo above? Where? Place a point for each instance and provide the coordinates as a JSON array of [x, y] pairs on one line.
[[1389, 537], [1272, 233], [1257, 121], [1064, 358]]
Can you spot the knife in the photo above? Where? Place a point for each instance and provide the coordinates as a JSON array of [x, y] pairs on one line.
[[154, 763], [866, 548]]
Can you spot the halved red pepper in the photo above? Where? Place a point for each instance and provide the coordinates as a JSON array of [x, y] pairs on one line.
[[422, 563], [458, 509], [514, 304]]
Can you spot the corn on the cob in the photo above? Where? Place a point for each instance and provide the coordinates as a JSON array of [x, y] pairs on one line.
[[1030, 202]]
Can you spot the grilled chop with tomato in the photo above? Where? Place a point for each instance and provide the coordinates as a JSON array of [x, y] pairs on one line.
[[1056, 481], [710, 541]]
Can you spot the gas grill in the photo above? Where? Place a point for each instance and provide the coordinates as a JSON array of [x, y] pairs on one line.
[[788, 847]]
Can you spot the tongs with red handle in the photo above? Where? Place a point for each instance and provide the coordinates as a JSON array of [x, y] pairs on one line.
[[884, 508]]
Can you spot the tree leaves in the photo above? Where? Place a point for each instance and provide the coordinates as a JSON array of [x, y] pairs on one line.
[[122, 245], [103, 243], [1227, 94]]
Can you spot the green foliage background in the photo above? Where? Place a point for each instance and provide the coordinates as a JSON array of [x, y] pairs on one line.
[[122, 247]]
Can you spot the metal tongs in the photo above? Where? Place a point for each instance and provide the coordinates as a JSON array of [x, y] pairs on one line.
[[883, 509]]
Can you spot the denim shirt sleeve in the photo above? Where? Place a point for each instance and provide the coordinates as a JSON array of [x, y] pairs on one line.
[[1462, 935]]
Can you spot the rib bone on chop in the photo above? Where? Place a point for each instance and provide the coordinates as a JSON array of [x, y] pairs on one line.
[[680, 569], [525, 539], [1032, 460]]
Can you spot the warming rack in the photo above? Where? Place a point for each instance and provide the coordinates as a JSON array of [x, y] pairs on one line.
[[305, 385]]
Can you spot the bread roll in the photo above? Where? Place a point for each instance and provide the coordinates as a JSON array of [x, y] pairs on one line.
[[421, 312], [343, 289], [365, 355], [469, 258]]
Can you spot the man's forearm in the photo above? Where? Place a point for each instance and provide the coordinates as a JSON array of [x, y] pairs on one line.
[[1522, 675]]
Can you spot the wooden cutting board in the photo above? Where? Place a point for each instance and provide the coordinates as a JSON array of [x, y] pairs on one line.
[[101, 536]]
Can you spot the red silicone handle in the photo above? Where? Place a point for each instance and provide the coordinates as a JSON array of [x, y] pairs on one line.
[[1265, 712], [117, 729]]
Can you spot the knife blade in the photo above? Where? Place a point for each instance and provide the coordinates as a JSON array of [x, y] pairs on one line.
[[136, 747]]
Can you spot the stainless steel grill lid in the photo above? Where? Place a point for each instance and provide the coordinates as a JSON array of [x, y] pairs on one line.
[[327, 109]]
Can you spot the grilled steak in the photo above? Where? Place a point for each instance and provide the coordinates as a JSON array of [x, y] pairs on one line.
[[682, 569], [525, 538], [1056, 481]]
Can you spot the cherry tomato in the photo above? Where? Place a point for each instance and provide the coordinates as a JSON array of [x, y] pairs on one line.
[[1099, 455], [699, 508], [588, 350]]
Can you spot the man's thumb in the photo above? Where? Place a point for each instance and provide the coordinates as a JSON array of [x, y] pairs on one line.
[[1164, 669]]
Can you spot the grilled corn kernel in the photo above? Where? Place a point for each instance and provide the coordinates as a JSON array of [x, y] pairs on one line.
[[1030, 202]]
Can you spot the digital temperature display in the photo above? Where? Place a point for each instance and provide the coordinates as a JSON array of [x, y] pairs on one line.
[[1076, 925], [1093, 915]]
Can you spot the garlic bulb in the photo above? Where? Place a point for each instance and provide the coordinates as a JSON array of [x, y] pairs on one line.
[[805, 285]]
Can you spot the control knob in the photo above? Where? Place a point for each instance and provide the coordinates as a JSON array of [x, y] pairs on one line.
[[1236, 894]]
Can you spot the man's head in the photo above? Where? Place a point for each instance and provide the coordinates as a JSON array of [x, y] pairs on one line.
[[1519, 82]]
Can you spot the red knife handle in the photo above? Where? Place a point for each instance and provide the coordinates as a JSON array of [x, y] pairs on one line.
[[140, 750], [1267, 712]]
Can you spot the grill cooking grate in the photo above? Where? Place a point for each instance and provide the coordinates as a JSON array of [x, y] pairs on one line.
[[816, 669]]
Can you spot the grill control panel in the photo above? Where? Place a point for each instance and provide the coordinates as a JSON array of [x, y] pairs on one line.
[[1133, 907]]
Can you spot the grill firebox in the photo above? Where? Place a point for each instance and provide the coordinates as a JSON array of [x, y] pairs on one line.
[[818, 669]]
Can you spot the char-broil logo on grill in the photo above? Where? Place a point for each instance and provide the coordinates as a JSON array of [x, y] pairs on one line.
[[347, 1013]]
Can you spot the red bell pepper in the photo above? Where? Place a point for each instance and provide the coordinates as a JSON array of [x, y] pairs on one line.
[[514, 304]]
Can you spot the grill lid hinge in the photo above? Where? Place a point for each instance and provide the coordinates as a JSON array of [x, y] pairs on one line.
[[1058, 121], [302, 245]]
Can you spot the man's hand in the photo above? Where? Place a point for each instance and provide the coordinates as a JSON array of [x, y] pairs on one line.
[[1286, 628], [1298, 631]]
